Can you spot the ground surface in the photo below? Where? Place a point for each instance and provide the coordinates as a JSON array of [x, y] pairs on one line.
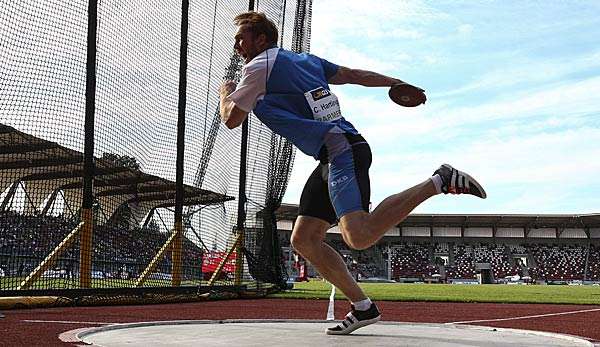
[[42, 327]]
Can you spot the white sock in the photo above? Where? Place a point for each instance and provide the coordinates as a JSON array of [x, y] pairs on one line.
[[437, 182], [362, 305]]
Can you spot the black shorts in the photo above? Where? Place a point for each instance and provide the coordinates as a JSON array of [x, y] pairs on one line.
[[345, 181]]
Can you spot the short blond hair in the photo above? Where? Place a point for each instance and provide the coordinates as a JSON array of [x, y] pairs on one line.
[[258, 24]]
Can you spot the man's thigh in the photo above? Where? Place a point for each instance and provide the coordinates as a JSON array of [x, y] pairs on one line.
[[314, 201], [349, 184], [307, 227]]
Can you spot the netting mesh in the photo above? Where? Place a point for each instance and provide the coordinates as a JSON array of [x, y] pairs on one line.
[[42, 133]]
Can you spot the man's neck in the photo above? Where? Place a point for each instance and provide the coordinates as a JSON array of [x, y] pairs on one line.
[[261, 52]]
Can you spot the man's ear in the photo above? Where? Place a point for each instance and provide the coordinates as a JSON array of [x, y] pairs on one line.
[[262, 40]]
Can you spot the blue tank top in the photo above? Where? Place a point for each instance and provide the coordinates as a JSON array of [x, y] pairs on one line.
[[297, 103]]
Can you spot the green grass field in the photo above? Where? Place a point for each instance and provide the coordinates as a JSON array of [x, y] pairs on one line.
[[317, 289], [538, 294]]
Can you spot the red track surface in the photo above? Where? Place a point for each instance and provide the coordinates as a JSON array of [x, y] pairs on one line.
[[31, 327]]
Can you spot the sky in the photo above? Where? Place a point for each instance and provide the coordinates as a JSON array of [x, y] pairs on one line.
[[513, 93]]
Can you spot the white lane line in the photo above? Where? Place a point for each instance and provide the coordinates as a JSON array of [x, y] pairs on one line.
[[525, 317], [331, 307], [66, 322]]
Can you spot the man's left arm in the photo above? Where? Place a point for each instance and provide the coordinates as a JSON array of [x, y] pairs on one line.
[[231, 115], [365, 78]]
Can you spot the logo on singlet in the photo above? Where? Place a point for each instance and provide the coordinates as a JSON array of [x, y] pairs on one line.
[[339, 180], [319, 93]]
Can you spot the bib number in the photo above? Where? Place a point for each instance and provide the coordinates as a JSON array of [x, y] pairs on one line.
[[324, 104]]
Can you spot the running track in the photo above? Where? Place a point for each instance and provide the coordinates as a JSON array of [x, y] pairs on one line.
[[42, 327]]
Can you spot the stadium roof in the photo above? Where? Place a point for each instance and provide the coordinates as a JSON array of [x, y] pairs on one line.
[[290, 212], [46, 167]]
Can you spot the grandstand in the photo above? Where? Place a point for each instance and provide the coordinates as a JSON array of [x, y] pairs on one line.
[[556, 249]]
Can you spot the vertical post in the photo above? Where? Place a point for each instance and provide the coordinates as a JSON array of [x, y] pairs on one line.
[[176, 267], [87, 214], [389, 262], [241, 215], [587, 260]]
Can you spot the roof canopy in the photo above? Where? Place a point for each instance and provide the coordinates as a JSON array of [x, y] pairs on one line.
[[45, 167], [290, 212]]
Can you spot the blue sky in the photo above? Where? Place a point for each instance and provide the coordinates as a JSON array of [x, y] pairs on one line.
[[513, 98]]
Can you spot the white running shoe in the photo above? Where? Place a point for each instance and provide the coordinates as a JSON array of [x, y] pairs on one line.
[[356, 319], [458, 182]]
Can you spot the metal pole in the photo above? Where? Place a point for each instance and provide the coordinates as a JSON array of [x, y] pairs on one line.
[[176, 267], [241, 215], [87, 215]]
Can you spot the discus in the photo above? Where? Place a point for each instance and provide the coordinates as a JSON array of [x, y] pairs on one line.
[[407, 95]]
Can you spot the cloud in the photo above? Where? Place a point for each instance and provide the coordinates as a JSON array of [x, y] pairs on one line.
[[345, 55], [562, 99], [378, 19], [524, 72], [558, 162], [562, 104], [465, 29]]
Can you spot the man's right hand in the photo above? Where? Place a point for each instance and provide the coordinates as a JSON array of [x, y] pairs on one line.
[[231, 115], [226, 88]]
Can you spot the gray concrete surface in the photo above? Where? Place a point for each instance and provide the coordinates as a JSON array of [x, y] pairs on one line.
[[312, 334]]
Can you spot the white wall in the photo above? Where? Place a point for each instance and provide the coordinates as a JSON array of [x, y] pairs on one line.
[[446, 231], [284, 225], [478, 232], [415, 231], [542, 233], [576, 233], [510, 232]]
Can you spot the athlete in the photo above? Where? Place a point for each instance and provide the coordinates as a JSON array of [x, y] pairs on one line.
[[290, 94]]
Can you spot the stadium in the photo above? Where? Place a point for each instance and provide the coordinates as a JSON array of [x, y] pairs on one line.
[[129, 214], [542, 249]]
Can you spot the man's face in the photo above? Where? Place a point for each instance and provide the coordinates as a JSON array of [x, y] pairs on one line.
[[246, 44]]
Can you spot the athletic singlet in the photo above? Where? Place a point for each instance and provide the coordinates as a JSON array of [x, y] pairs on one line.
[[289, 93]]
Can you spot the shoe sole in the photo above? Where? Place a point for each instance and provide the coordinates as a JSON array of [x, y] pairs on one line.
[[355, 326], [472, 181]]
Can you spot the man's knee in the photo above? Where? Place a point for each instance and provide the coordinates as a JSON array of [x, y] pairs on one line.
[[308, 232], [303, 242], [354, 230], [355, 237], [358, 243], [297, 241]]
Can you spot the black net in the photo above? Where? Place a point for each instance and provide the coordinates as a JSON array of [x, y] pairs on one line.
[[134, 239]]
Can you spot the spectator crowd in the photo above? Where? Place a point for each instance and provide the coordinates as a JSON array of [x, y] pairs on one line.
[[119, 253]]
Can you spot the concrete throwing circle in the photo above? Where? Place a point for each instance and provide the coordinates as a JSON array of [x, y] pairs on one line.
[[312, 333]]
